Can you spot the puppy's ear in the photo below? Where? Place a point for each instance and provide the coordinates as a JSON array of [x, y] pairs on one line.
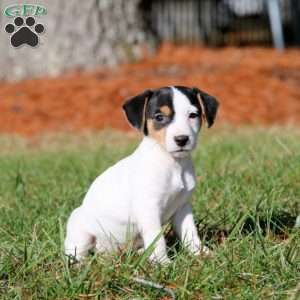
[[209, 106], [135, 110]]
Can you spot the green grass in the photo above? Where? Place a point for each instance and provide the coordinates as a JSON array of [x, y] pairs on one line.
[[243, 174]]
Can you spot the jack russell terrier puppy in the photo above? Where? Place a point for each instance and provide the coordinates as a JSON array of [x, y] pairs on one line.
[[132, 200]]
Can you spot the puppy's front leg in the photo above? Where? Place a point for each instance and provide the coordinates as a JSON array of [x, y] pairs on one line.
[[152, 234], [184, 225]]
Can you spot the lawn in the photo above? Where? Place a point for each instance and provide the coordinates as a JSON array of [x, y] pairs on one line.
[[246, 201]]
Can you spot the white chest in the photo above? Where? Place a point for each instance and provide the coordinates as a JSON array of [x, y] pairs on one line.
[[181, 186]]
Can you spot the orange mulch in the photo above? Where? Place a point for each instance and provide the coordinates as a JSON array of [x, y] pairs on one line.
[[254, 86]]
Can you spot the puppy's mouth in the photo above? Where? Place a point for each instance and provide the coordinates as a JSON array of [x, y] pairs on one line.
[[184, 149], [181, 151]]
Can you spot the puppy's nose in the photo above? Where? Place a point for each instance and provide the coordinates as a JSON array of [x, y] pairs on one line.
[[181, 140]]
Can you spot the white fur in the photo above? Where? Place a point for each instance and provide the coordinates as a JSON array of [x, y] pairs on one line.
[[182, 125], [133, 199]]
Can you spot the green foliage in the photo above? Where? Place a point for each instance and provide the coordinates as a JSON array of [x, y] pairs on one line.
[[243, 174]]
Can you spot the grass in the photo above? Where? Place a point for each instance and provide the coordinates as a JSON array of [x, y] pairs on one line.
[[249, 174]]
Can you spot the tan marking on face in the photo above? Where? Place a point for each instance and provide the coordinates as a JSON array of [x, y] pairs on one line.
[[166, 110], [203, 116], [158, 135], [144, 114]]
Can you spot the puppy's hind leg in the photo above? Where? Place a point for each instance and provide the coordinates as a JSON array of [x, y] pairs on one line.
[[78, 241]]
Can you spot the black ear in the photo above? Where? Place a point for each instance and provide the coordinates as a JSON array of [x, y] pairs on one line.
[[135, 109], [209, 104]]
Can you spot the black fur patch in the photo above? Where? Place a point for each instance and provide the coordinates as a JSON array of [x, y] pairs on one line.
[[160, 98], [134, 109], [190, 94], [209, 102]]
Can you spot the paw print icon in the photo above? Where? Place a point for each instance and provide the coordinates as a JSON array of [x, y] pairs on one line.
[[24, 32]]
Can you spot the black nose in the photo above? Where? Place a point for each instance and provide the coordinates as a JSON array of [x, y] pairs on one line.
[[181, 140]]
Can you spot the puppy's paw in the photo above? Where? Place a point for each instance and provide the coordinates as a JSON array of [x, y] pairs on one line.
[[201, 250], [74, 260], [160, 259], [205, 251]]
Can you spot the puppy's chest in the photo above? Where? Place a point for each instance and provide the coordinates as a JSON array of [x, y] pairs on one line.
[[179, 189]]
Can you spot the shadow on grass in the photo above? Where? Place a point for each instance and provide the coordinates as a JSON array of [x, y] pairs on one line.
[[278, 224]]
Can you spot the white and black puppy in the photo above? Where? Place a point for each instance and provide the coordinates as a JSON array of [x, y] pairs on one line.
[[133, 199]]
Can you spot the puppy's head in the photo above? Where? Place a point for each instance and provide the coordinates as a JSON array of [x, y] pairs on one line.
[[172, 116]]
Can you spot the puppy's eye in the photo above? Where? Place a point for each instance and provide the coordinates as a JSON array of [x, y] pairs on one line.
[[193, 115], [159, 118]]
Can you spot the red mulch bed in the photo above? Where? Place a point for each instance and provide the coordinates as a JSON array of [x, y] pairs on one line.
[[254, 86]]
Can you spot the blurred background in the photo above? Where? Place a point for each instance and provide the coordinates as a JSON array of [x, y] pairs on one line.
[[94, 54]]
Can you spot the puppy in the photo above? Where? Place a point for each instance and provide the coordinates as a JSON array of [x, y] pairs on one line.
[[133, 199]]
